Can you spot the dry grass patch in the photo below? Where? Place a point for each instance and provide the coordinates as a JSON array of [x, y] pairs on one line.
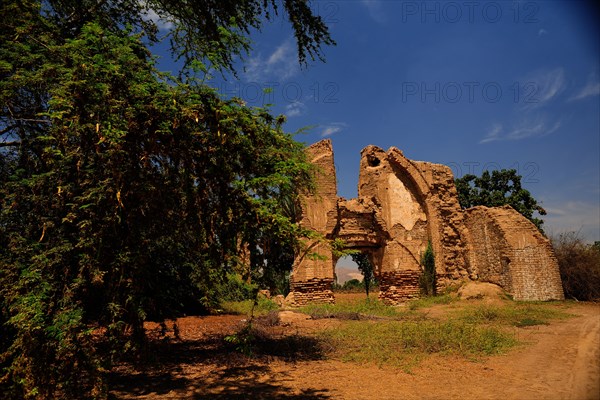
[[402, 343], [469, 330], [518, 314]]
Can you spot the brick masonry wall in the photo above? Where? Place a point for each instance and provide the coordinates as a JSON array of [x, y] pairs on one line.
[[507, 249], [396, 287], [311, 291]]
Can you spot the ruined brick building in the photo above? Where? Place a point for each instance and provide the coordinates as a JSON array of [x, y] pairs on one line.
[[403, 204]]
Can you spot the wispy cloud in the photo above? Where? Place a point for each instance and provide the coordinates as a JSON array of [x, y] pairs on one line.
[[542, 32], [493, 133], [280, 65], [540, 90], [592, 88], [546, 86], [295, 109], [374, 7], [523, 130], [333, 128]]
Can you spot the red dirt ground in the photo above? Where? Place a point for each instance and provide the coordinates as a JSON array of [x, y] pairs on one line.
[[559, 361]]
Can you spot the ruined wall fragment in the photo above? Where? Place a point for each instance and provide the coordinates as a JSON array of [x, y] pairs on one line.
[[402, 205], [418, 203], [360, 225], [507, 249], [448, 229], [313, 271]]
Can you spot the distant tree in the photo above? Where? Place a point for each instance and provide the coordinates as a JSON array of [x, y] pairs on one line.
[[498, 188], [428, 278], [366, 269], [352, 284]]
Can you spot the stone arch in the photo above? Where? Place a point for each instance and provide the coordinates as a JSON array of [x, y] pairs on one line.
[[423, 194], [402, 196], [402, 204]]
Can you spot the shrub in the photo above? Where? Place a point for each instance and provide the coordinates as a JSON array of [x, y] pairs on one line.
[[352, 284], [579, 265], [427, 279], [235, 289]]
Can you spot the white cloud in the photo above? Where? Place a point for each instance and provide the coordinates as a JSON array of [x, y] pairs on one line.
[[333, 128], [542, 32], [539, 90], [573, 216], [529, 129], [541, 87], [493, 134], [295, 109], [280, 65], [525, 129], [592, 88], [163, 24], [356, 275], [375, 10]]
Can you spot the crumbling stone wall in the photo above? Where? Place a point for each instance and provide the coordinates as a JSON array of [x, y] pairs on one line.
[[360, 224], [505, 248], [419, 203], [312, 275], [403, 204]]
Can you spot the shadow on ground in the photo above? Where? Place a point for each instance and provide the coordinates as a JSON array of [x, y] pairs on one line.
[[212, 369]]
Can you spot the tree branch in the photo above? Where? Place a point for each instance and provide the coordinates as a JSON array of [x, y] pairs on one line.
[[8, 128], [8, 144]]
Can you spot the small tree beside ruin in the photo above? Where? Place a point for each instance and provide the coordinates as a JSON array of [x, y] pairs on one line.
[[366, 269], [427, 279]]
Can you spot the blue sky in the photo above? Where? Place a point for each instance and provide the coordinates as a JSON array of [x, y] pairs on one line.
[[473, 85]]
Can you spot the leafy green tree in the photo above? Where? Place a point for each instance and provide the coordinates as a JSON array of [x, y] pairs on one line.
[[203, 33], [127, 194], [428, 276], [352, 284], [366, 269], [499, 188]]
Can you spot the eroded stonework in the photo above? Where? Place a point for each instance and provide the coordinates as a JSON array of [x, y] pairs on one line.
[[401, 206]]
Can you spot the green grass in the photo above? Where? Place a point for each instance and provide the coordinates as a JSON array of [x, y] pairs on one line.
[[429, 301], [364, 307], [371, 332], [403, 343], [244, 307], [468, 330]]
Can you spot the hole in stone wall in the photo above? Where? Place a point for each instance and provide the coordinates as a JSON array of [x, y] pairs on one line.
[[345, 270], [373, 161], [349, 282]]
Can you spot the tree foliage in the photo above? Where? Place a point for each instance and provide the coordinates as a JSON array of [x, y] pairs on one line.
[[579, 265], [127, 194], [428, 277], [366, 269], [203, 32], [499, 188]]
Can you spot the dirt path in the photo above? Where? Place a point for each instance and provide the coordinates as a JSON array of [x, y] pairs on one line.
[[559, 361], [562, 361]]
